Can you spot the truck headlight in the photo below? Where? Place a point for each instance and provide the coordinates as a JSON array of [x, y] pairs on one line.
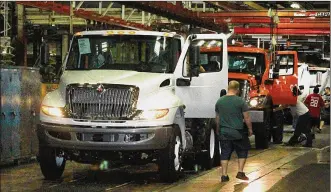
[[52, 111], [256, 102], [152, 114]]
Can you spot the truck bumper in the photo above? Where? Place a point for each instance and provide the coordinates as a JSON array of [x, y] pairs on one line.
[[104, 139], [256, 116]]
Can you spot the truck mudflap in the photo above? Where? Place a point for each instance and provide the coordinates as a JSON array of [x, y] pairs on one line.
[[256, 116], [104, 139]]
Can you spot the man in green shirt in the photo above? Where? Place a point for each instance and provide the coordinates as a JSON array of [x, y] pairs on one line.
[[231, 110]]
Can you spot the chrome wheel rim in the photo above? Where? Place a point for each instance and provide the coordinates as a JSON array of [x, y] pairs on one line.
[[177, 153], [212, 143], [59, 161]]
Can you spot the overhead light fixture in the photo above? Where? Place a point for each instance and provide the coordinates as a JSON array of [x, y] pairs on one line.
[[201, 43], [211, 43], [295, 5]]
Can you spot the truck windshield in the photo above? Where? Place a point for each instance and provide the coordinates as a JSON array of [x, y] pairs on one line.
[[156, 54], [253, 63]]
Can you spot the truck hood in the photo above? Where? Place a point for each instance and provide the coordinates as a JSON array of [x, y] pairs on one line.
[[147, 82]]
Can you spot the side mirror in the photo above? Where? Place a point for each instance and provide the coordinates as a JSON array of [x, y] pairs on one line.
[[295, 91], [47, 71], [194, 60], [258, 78]]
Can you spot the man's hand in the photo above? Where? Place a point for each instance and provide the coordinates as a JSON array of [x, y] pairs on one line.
[[250, 132], [248, 122], [327, 104], [217, 121]]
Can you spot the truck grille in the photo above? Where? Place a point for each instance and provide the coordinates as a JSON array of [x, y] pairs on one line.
[[102, 102]]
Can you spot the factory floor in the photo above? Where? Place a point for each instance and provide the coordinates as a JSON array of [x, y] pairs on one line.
[[277, 169]]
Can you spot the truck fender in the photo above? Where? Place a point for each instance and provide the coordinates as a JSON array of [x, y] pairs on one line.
[[180, 121]]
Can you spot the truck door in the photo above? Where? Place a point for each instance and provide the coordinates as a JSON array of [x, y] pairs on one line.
[[200, 93], [288, 78]]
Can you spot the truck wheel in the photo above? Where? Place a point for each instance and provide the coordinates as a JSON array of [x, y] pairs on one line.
[[262, 130], [217, 161], [261, 137], [212, 147], [170, 158], [278, 128], [52, 166]]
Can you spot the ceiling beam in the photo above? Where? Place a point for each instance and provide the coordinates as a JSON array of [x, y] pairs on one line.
[[303, 25], [107, 9], [221, 5], [254, 5], [176, 12], [266, 30], [266, 20]]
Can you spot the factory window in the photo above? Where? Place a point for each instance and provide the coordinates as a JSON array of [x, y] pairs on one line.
[[286, 64]]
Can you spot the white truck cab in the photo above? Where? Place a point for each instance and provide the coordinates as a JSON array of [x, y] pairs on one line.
[[133, 96]]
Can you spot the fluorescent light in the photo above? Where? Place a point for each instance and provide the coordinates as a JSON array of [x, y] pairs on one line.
[[211, 43], [295, 5], [201, 43]]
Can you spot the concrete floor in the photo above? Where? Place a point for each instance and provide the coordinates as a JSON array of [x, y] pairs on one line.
[[276, 169]]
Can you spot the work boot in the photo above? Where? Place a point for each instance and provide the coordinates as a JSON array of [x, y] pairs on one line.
[[225, 178], [302, 137], [242, 176], [313, 136], [288, 144], [308, 145]]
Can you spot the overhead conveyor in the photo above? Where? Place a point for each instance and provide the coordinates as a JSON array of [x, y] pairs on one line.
[[81, 13], [176, 12]]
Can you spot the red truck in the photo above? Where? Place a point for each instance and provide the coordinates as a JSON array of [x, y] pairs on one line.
[[263, 85]]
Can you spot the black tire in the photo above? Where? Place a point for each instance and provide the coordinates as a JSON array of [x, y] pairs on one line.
[[51, 167], [278, 127], [262, 136], [169, 170], [217, 160], [212, 148], [217, 156]]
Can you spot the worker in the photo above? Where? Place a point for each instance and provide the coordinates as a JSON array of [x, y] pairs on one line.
[[230, 112], [302, 126], [326, 110], [326, 98], [314, 102]]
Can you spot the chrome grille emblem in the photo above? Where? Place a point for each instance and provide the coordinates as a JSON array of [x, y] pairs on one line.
[[100, 88]]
